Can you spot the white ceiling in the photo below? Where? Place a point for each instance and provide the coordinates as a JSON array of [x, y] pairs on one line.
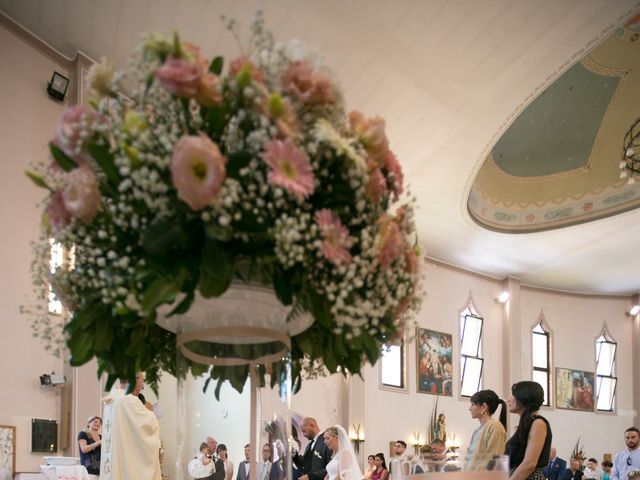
[[446, 75]]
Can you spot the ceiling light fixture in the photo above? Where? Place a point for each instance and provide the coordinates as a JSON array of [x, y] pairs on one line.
[[634, 310], [503, 297], [630, 163]]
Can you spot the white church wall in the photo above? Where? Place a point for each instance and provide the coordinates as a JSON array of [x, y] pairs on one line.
[[26, 125]]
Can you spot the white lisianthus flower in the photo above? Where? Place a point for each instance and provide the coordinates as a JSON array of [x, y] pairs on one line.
[[100, 79]]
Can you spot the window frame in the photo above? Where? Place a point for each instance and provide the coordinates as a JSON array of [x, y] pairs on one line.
[[404, 388], [548, 370], [470, 311], [607, 338]]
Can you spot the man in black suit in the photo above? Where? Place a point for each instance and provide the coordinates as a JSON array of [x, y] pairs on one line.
[[313, 464], [218, 471], [556, 467]]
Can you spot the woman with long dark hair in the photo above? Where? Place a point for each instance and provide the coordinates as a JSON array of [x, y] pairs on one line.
[[489, 438], [381, 472], [529, 447]]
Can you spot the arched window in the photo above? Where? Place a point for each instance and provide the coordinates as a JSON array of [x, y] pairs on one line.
[[541, 358], [471, 361], [606, 381]]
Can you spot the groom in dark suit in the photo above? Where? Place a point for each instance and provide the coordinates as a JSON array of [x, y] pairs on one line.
[[313, 463], [556, 467]]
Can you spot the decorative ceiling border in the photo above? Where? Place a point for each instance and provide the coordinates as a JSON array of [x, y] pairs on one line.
[[529, 98], [502, 203], [531, 218]]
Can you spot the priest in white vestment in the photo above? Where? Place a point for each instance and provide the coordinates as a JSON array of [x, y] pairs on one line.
[[135, 440]]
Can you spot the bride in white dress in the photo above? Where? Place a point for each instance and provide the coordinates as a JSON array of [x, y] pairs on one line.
[[344, 463]]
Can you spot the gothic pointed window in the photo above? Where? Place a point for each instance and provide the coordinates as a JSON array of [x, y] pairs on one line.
[[541, 358], [471, 360], [606, 381]]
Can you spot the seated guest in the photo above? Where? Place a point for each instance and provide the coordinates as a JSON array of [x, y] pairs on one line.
[[556, 467], [370, 468], [591, 471], [573, 472], [90, 441], [381, 472], [606, 470]]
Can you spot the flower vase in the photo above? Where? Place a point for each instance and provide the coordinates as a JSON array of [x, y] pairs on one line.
[[245, 328]]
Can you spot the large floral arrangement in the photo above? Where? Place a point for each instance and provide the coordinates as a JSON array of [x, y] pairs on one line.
[[200, 175]]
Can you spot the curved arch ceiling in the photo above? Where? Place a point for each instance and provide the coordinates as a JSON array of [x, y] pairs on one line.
[[557, 163]]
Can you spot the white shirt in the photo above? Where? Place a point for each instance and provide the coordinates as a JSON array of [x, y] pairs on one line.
[[263, 470]]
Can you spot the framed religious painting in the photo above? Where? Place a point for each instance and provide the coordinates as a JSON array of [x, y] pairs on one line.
[[434, 356], [7, 451], [574, 389]]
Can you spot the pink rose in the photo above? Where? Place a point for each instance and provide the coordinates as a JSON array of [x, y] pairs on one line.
[[59, 216], [390, 241], [243, 64], [194, 55], [82, 195], [411, 259], [307, 85], [198, 170], [208, 90], [76, 126], [377, 185], [179, 77], [394, 170], [370, 132]]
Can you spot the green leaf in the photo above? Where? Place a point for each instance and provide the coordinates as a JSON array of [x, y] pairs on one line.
[[136, 342], [216, 65], [80, 345], [218, 232], [216, 119], [305, 343], [161, 290], [282, 286], [103, 156], [371, 348], [38, 180], [103, 335], [62, 159], [111, 380], [237, 161], [217, 269], [163, 237], [184, 305]]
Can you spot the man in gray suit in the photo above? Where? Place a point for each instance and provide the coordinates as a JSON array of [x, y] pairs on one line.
[[243, 468]]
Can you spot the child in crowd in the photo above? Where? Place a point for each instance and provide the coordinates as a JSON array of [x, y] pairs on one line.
[[591, 471], [606, 470]]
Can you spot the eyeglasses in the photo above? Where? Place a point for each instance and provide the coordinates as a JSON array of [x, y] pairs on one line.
[[628, 461]]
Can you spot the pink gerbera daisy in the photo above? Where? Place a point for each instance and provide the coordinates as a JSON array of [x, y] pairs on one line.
[[336, 240], [290, 168]]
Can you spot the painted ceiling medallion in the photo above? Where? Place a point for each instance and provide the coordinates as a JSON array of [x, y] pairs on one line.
[[557, 164]]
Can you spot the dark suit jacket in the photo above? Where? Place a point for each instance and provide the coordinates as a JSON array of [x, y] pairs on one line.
[[314, 462], [569, 475], [556, 469], [242, 475], [219, 473]]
